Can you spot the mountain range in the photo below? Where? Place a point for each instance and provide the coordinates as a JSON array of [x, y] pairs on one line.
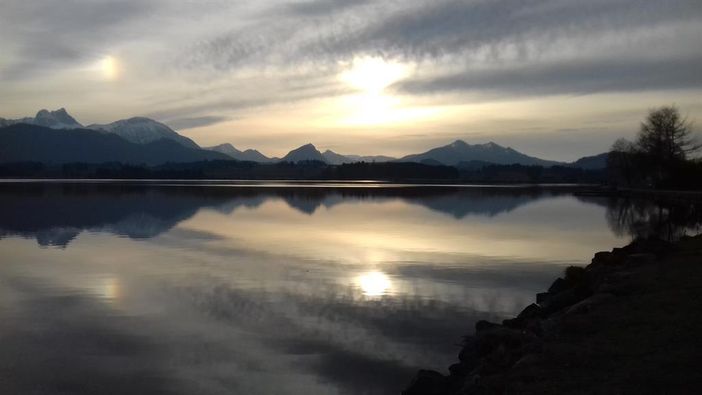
[[57, 137]]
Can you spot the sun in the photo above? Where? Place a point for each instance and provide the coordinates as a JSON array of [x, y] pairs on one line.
[[371, 103], [109, 66], [373, 74]]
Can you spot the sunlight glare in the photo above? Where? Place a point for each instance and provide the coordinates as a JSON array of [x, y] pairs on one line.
[[373, 74], [109, 67], [374, 283]]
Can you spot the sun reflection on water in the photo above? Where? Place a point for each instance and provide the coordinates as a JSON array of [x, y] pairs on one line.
[[374, 283], [107, 289]]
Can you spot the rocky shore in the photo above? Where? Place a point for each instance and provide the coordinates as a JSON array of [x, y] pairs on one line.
[[629, 322]]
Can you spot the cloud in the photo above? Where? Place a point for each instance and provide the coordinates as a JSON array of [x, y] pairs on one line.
[[196, 122], [47, 34], [584, 77], [321, 7]]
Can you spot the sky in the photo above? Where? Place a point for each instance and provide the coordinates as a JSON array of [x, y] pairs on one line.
[[558, 79]]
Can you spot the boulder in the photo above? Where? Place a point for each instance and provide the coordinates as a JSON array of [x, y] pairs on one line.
[[602, 257], [497, 361], [558, 286], [542, 297], [588, 304], [531, 312], [427, 382], [483, 325], [488, 341], [469, 353], [562, 300], [640, 259], [460, 369], [575, 275]]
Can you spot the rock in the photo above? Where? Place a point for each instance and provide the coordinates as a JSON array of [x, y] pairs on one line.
[[531, 312], [460, 369], [575, 275], [488, 341], [549, 328], [427, 382], [469, 353], [588, 304], [534, 327], [652, 245], [602, 257], [483, 325], [527, 360], [542, 297], [640, 259], [497, 361], [562, 300], [533, 345], [558, 286], [578, 323]]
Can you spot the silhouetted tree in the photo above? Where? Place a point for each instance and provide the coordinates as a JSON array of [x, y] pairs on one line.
[[659, 157], [666, 136], [621, 162]]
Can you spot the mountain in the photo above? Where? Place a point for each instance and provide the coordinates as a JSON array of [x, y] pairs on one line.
[[59, 119], [142, 130], [370, 158], [32, 143], [333, 158], [336, 159], [304, 153], [594, 162], [250, 155], [226, 149], [460, 151]]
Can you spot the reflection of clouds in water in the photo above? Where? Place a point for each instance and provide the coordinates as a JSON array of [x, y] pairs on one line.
[[267, 298]]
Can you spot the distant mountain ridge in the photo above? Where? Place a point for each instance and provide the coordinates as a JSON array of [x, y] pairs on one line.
[[32, 143], [144, 131], [592, 162], [250, 155], [460, 151]]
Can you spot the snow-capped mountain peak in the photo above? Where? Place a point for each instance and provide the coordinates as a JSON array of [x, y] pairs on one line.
[[143, 130], [58, 119]]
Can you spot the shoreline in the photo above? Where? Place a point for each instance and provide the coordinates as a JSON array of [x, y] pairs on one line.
[[611, 327]]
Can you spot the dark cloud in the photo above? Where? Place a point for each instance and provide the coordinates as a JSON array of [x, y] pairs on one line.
[[583, 77], [189, 123], [322, 7]]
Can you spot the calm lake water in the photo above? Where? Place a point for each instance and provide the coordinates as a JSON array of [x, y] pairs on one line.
[[270, 289]]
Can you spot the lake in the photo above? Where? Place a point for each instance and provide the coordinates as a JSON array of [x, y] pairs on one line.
[[221, 288]]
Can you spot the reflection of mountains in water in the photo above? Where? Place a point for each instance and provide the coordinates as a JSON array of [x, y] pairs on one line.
[[55, 214]]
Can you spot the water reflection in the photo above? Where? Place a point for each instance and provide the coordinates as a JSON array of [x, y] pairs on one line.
[[55, 214], [219, 290], [665, 219], [374, 283]]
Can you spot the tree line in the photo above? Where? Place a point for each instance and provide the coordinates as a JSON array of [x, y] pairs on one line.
[[663, 155]]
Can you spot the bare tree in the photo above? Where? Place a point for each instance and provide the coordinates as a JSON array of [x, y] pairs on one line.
[[620, 162], [667, 136]]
